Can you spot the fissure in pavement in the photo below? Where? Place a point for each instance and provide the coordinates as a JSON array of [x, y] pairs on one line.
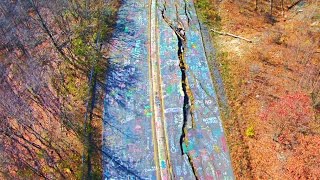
[[150, 107], [188, 101]]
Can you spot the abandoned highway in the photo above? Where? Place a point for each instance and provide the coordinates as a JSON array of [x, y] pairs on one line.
[[161, 114]]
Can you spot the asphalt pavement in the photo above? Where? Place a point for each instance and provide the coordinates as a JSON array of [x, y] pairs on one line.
[[144, 110]]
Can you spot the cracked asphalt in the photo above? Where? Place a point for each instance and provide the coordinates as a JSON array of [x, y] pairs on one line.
[[144, 104]]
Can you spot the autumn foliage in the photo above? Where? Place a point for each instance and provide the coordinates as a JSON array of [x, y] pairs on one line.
[[289, 116], [47, 49], [304, 163], [272, 84]]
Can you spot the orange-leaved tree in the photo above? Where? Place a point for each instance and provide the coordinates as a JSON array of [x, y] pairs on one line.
[[289, 116]]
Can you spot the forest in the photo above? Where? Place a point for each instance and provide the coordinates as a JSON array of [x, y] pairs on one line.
[[52, 80], [272, 79], [53, 63]]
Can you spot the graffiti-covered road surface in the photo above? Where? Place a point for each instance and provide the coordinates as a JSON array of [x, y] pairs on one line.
[[161, 117]]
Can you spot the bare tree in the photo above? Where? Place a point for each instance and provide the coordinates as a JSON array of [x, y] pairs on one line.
[[45, 47]]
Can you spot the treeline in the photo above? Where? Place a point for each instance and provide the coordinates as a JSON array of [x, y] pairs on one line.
[[52, 72]]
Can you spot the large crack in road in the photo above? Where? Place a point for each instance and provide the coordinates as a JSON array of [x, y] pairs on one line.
[[188, 100], [170, 118]]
